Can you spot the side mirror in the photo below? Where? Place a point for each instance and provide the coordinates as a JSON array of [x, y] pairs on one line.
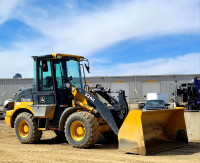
[[167, 104], [44, 66], [87, 68]]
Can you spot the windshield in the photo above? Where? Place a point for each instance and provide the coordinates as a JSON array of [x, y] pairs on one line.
[[67, 71], [155, 103], [74, 72]]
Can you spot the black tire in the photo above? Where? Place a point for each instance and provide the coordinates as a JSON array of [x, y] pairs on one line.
[[32, 135], [90, 127], [60, 134]]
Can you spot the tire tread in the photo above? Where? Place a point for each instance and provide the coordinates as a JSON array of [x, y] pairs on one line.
[[36, 135], [93, 127]]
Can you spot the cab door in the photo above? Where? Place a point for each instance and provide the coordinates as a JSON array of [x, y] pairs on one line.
[[63, 93], [45, 86]]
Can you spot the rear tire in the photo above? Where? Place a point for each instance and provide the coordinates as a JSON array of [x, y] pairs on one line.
[[26, 128], [82, 130]]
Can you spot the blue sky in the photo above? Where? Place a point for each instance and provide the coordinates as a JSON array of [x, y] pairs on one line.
[[129, 37]]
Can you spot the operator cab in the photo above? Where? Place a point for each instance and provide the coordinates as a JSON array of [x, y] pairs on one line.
[[54, 75]]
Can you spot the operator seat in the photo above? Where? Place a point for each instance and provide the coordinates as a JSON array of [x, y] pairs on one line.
[[49, 81]]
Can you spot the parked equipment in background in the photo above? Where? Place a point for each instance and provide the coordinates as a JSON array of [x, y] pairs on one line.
[[158, 96], [155, 105], [8, 104], [175, 104], [190, 94], [60, 101]]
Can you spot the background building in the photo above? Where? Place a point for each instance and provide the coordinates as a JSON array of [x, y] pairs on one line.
[[136, 87]]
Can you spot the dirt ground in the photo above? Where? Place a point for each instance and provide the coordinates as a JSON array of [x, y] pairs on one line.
[[51, 149]]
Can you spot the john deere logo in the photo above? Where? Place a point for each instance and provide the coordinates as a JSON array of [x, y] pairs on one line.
[[42, 99]]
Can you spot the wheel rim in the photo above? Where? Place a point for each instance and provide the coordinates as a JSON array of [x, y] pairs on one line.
[[23, 129], [77, 130]]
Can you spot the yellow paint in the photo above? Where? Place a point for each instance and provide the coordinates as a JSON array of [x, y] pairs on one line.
[[77, 130], [17, 106], [8, 120], [78, 97], [53, 128], [74, 91], [67, 55], [88, 82], [132, 131], [42, 129], [145, 132], [119, 81], [23, 129], [180, 108], [151, 81], [50, 115], [80, 100], [9, 113], [84, 106], [23, 105]]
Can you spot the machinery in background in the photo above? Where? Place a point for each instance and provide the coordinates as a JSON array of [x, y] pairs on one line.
[[155, 105], [158, 96], [189, 93]]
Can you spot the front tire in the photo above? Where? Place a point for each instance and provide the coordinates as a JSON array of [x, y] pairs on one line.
[[82, 130], [26, 128]]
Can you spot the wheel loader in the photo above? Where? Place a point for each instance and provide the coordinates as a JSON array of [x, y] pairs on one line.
[[61, 100]]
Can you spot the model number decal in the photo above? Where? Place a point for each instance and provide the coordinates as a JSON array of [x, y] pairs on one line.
[[25, 100], [90, 97]]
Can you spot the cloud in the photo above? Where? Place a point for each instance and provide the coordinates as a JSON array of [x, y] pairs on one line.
[[7, 9], [70, 29], [87, 32], [18, 58], [183, 64], [99, 60]]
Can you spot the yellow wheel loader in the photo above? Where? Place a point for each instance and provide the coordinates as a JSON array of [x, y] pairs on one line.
[[60, 101]]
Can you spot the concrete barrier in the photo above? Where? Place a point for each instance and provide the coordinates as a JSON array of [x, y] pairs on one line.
[[192, 120]]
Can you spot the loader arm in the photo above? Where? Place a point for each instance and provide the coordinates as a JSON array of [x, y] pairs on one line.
[[103, 110], [118, 108]]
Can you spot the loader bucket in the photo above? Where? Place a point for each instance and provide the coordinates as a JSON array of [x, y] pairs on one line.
[[145, 132]]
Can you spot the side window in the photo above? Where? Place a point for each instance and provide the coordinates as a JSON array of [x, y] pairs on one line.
[[45, 77], [34, 82], [58, 67]]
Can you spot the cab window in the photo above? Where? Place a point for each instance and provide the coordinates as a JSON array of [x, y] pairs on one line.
[[45, 76]]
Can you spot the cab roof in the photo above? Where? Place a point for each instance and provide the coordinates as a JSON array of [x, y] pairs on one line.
[[59, 56]]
